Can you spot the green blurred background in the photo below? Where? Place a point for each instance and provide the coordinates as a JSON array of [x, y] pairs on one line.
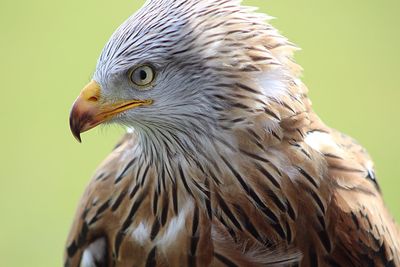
[[48, 51]]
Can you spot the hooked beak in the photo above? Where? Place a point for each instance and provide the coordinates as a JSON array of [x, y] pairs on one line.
[[89, 110]]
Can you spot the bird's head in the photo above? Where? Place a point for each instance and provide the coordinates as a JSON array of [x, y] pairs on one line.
[[185, 69]]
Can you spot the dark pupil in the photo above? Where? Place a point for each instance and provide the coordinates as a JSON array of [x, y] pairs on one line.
[[143, 75]]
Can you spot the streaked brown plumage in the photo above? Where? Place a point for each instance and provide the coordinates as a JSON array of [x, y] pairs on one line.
[[274, 187]]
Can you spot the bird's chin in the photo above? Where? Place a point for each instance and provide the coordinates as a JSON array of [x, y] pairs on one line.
[[126, 120]]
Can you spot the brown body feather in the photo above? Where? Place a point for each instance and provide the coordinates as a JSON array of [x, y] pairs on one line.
[[325, 211]]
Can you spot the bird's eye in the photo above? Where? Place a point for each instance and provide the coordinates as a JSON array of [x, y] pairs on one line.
[[142, 76]]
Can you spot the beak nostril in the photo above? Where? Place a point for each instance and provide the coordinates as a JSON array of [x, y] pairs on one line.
[[93, 99]]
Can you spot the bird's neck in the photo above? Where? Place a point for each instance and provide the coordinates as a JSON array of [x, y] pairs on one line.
[[195, 153], [197, 148]]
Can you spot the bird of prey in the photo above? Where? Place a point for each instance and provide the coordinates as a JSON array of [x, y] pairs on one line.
[[225, 162]]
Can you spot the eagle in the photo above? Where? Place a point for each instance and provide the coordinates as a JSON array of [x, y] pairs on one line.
[[225, 162]]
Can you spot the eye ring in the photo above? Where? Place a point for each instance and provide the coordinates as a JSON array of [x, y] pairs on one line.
[[142, 76]]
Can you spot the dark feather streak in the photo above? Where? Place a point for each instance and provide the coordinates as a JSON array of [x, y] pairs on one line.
[[225, 260]]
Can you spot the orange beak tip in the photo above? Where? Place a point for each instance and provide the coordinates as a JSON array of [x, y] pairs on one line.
[[75, 131], [78, 138]]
